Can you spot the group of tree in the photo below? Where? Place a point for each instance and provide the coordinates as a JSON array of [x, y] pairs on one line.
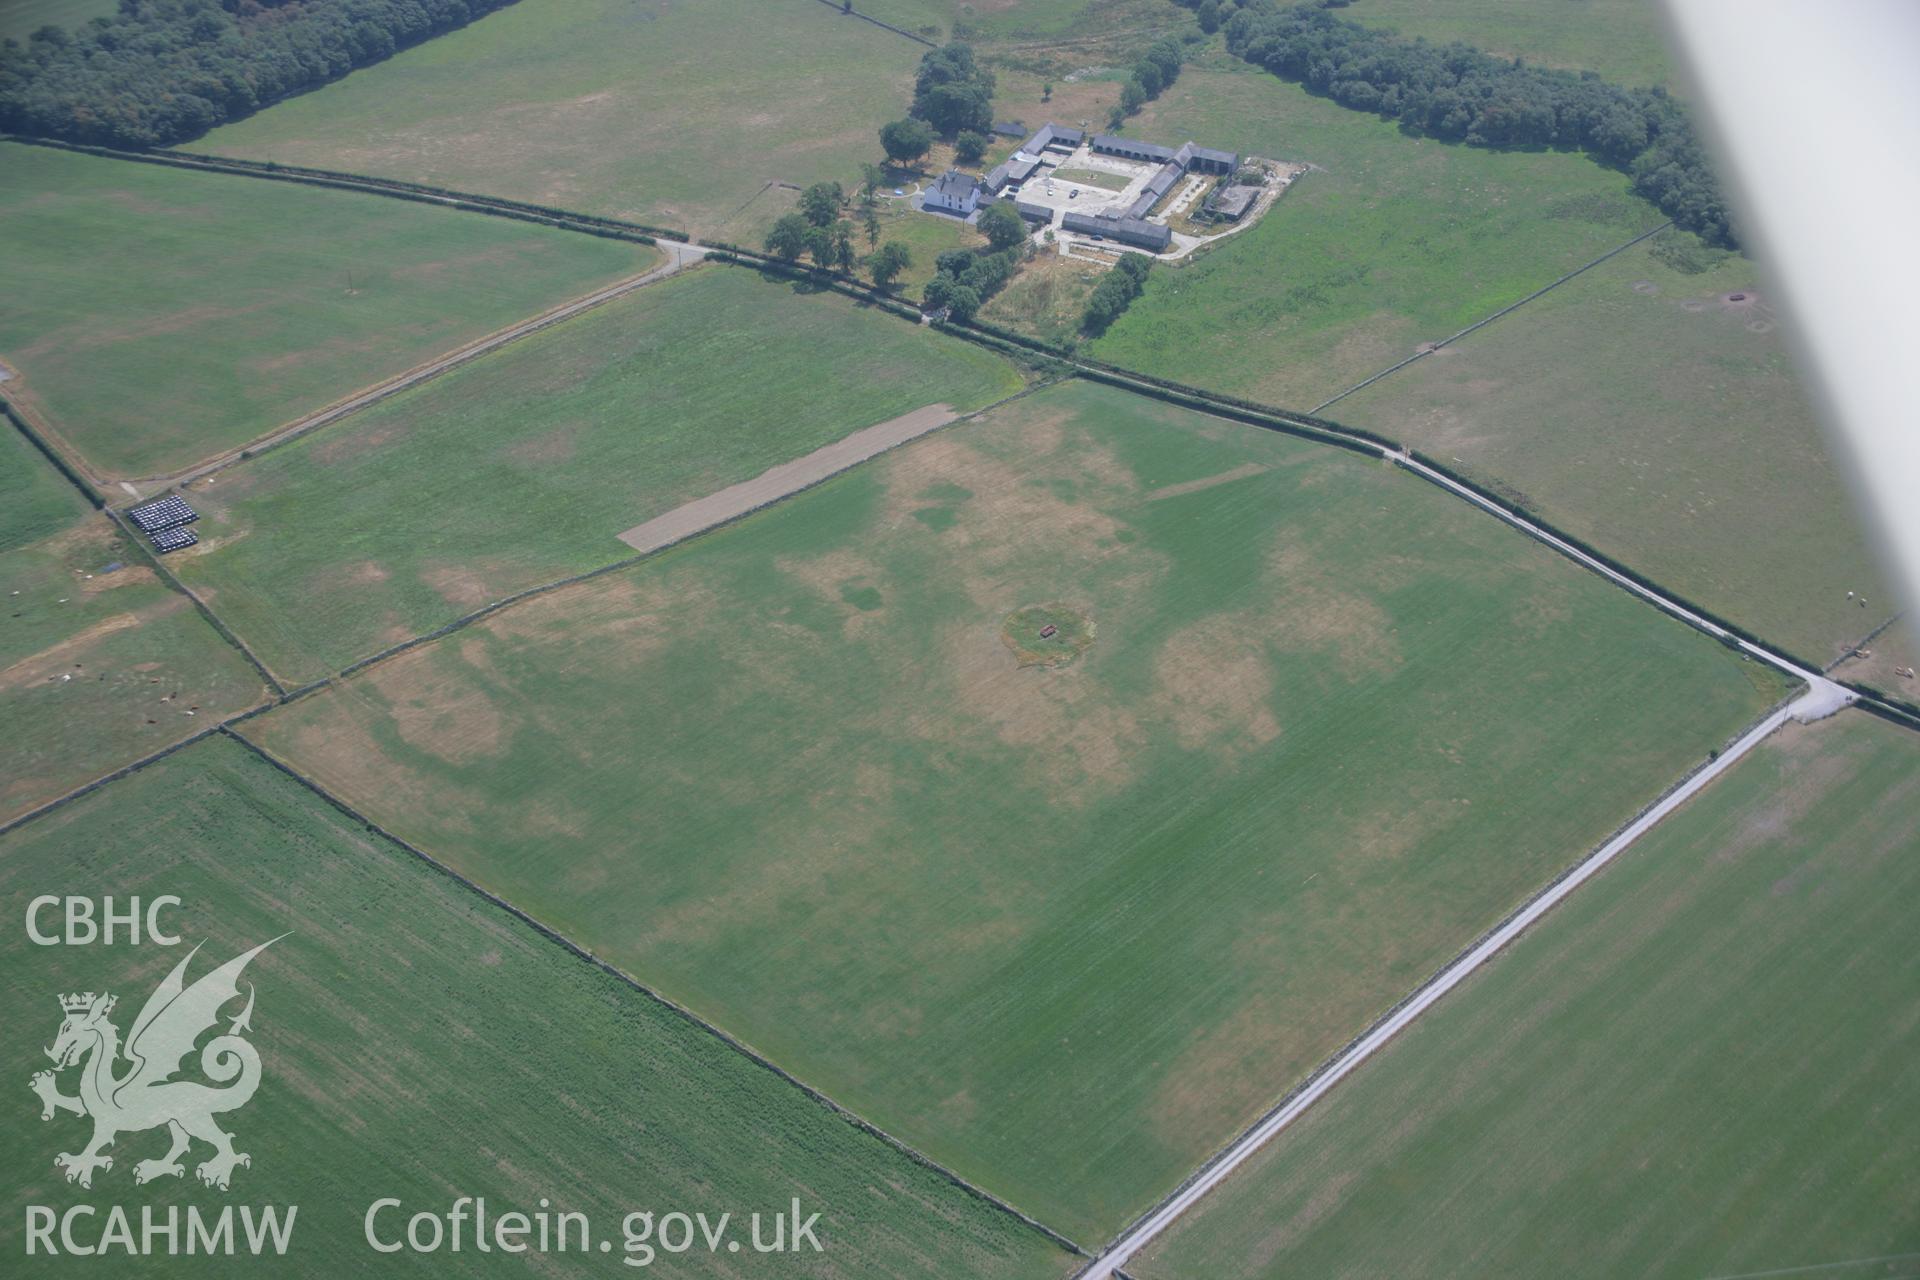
[[1157, 68], [968, 277], [160, 72], [1115, 293], [952, 98], [952, 92], [1459, 94], [816, 230]]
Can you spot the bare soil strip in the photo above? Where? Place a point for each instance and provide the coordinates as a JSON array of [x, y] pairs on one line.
[[1205, 482], [784, 480]]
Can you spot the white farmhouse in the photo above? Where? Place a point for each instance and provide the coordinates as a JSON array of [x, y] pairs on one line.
[[956, 193]]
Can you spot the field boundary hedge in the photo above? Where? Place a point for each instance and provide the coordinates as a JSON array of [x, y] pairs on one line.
[[992, 337], [419, 193], [852, 12], [88, 788], [214, 620], [1666, 597], [1484, 321], [94, 497], [612, 970], [99, 503]]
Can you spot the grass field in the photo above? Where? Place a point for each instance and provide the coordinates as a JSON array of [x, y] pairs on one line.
[[667, 112], [1621, 39], [1391, 242], [419, 1043], [1707, 1063], [925, 235], [157, 316], [526, 465], [99, 668], [1889, 652], [35, 500], [21, 18], [1644, 409], [1064, 927], [1030, 26], [1047, 299]]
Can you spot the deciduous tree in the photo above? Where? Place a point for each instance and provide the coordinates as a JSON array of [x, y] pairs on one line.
[[905, 141]]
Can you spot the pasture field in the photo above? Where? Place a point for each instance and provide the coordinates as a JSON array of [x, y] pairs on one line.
[[1621, 39], [98, 666], [1388, 243], [1064, 912], [35, 500], [1887, 652], [671, 113], [21, 18], [1655, 413], [1705, 1063], [158, 317], [1025, 28], [418, 1042], [1047, 298], [926, 236], [526, 465]]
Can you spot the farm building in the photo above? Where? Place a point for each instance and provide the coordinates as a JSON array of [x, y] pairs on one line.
[[1232, 203], [1052, 136], [1137, 232], [1019, 166], [1111, 144], [956, 193], [1157, 187], [1036, 213], [1011, 172], [1208, 160], [1191, 157]]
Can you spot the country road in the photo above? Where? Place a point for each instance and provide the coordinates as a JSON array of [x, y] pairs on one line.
[[679, 256], [1823, 698]]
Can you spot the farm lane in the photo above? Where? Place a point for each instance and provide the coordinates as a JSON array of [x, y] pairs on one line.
[[679, 256], [1823, 699]]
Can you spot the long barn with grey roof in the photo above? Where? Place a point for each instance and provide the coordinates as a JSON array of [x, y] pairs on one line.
[[1191, 157], [1134, 231], [1019, 166]]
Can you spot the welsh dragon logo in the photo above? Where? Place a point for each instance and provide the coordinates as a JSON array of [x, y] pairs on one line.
[[145, 1095]]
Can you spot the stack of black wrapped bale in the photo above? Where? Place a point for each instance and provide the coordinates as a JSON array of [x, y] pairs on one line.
[[165, 521]]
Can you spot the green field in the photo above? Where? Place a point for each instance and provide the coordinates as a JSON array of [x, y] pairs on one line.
[[98, 666], [1621, 39], [35, 500], [1030, 25], [672, 113], [925, 235], [1391, 242], [526, 465], [419, 1043], [1644, 410], [157, 317], [1707, 1063], [21, 18], [1888, 654], [1064, 927]]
